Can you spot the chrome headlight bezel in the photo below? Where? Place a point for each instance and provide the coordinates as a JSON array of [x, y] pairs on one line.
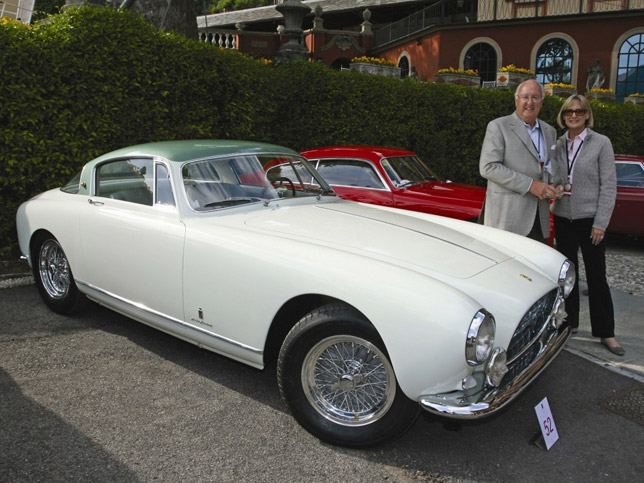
[[567, 277], [480, 338]]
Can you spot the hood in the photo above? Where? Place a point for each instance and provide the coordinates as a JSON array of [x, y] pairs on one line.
[[391, 236]]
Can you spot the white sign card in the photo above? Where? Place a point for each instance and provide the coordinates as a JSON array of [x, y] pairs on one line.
[[546, 423]]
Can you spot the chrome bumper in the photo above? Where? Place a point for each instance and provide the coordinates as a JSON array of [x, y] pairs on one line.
[[483, 402]]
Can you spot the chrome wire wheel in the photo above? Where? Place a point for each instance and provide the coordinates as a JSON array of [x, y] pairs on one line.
[[348, 380], [53, 269]]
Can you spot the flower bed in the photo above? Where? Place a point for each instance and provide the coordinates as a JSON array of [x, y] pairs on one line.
[[637, 99], [375, 66], [560, 90], [510, 76], [602, 95], [468, 78]]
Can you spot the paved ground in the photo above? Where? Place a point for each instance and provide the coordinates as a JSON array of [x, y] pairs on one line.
[[97, 397]]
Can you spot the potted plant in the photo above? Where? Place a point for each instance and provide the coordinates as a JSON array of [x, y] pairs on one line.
[[463, 77], [375, 65], [511, 76], [559, 89], [603, 95], [634, 99]]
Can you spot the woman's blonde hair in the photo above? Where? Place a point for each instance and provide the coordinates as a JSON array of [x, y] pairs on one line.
[[590, 122]]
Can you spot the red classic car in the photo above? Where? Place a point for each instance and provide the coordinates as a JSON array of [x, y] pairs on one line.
[[628, 215], [394, 177]]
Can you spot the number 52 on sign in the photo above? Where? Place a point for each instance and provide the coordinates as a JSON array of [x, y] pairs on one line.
[[547, 423]]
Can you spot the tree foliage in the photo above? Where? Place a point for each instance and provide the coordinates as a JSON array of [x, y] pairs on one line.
[[218, 6]]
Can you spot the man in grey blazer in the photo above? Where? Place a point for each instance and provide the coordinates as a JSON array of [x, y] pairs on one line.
[[514, 159]]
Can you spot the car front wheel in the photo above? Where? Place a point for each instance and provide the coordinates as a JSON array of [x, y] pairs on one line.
[[53, 275], [335, 375]]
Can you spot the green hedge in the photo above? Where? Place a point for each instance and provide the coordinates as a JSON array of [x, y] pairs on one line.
[[91, 80]]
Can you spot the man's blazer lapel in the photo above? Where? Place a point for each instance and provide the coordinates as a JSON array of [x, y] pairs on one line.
[[520, 130]]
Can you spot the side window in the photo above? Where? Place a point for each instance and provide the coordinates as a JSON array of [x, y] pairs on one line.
[[164, 189], [128, 180], [349, 172], [629, 174]]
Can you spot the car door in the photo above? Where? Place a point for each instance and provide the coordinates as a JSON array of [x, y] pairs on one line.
[[355, 180], [132, 237]]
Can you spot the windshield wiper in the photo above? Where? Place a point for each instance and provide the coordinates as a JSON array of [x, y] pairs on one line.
[[232, 201]]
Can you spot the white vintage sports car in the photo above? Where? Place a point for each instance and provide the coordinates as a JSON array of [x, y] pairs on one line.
[[241, 248]]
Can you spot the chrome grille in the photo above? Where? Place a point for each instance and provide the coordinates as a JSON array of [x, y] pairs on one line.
[[532, 324]]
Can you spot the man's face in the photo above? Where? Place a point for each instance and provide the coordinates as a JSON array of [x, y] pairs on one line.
[[529, 101]]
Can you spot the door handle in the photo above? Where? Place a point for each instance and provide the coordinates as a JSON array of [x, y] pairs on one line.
[[93, 202]]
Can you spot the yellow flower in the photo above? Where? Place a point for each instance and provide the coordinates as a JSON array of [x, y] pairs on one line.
[[560, 84], [452, 70], [14, 23], [636, 95], [603, 91], [373, 60], [514, 68]]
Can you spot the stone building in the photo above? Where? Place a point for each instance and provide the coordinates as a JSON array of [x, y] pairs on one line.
[[559, 40]]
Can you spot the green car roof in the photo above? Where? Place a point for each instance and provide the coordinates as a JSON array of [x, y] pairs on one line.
[[195, 149]]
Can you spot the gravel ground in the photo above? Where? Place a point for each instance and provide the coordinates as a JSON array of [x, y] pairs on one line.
[[624, 266]]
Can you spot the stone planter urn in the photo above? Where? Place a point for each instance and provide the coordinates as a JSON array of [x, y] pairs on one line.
[[510, 80], [600, 96], [459, 79], [375, 69], [563, 92], [637, 100]]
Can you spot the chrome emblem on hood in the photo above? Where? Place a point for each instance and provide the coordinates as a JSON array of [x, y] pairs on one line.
[[526, 277]]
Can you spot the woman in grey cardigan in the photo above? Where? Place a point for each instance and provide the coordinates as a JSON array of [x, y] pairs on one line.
[[585, 174]]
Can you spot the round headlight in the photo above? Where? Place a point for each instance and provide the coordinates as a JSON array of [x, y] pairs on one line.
[[567, 277], [480, 338]]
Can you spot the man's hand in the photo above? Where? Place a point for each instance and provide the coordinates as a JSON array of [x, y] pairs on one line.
[[543, 191]]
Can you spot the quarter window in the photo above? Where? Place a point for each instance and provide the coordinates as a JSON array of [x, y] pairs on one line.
[[164, 194]]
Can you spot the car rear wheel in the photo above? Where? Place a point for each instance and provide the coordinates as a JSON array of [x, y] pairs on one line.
[[334, 374], [53, 275]]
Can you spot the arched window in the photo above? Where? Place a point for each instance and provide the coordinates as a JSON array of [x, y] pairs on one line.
[[630, 67], [403, 63], [554, 62], [481, 57]]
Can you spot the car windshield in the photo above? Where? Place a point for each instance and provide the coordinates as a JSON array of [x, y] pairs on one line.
[[405, 171], [231, 181]]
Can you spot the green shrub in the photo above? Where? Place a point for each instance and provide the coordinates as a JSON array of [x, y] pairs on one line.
[[94, 79]]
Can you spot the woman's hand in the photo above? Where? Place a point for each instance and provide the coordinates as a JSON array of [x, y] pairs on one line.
[[596, 236]]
